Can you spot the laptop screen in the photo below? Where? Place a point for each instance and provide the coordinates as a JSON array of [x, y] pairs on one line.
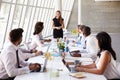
[[45, 62]]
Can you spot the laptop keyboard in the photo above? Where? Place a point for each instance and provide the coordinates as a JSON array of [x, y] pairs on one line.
[[72, 70]]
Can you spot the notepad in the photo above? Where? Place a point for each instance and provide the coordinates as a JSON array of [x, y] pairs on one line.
[[71, 49], [78, 75]]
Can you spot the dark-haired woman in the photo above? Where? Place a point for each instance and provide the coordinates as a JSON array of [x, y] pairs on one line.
[[37, 36], [106, 61], [58, 25]]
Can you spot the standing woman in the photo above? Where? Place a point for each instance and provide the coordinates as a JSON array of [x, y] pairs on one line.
[[58, 25]]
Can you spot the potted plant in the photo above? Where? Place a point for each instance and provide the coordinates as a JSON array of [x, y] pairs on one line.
[[61, 46]]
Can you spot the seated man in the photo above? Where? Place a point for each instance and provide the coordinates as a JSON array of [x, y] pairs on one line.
[[11, 62], [81, 37], [91, 48]]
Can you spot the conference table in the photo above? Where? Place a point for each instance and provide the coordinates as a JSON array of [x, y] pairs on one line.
[[56, 70]]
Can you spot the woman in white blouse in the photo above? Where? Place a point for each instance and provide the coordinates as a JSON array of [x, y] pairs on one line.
[[37, 41], [106, 59]]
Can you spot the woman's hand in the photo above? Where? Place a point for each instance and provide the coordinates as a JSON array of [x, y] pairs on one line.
[[80, 69], [38, 53], [33, 51], [47, 40], [78, 65], [42, 41], [57, 28]]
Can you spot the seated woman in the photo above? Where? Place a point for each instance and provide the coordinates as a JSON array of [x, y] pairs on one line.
[[106, 59], [37, 39]]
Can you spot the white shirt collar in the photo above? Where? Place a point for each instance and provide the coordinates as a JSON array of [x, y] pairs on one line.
[[87, 37], [16, 47]]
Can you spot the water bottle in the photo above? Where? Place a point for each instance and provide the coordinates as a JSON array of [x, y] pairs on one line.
[[66, 47]]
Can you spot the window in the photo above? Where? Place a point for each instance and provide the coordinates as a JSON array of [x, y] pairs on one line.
[[107, 0], [25, 13]]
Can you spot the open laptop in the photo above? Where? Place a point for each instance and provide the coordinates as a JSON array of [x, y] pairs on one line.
[[70, 68], [72, 51], [43, 69]]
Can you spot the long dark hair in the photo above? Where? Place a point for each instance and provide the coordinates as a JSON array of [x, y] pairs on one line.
[[60, 17], [38, 28], [104, 42]]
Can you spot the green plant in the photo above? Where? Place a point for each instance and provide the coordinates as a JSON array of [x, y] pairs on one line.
[[61, 45]]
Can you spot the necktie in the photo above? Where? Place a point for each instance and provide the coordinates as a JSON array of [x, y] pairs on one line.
[[85, 42], [78, 35], [80, 38], [18, 64], [84, 47]]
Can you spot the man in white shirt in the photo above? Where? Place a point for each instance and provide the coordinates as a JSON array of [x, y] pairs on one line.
[[81, 37], [25, 54], [11, 62], [91, 48]]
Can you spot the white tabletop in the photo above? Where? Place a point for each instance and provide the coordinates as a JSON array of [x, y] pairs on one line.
[[52, 67]]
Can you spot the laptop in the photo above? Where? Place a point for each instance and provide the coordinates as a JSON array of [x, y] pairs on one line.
[[43, 69], [71, 68], [73, 51]]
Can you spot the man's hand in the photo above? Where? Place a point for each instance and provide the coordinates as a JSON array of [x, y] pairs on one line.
[[76, 55], [35, 67]]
